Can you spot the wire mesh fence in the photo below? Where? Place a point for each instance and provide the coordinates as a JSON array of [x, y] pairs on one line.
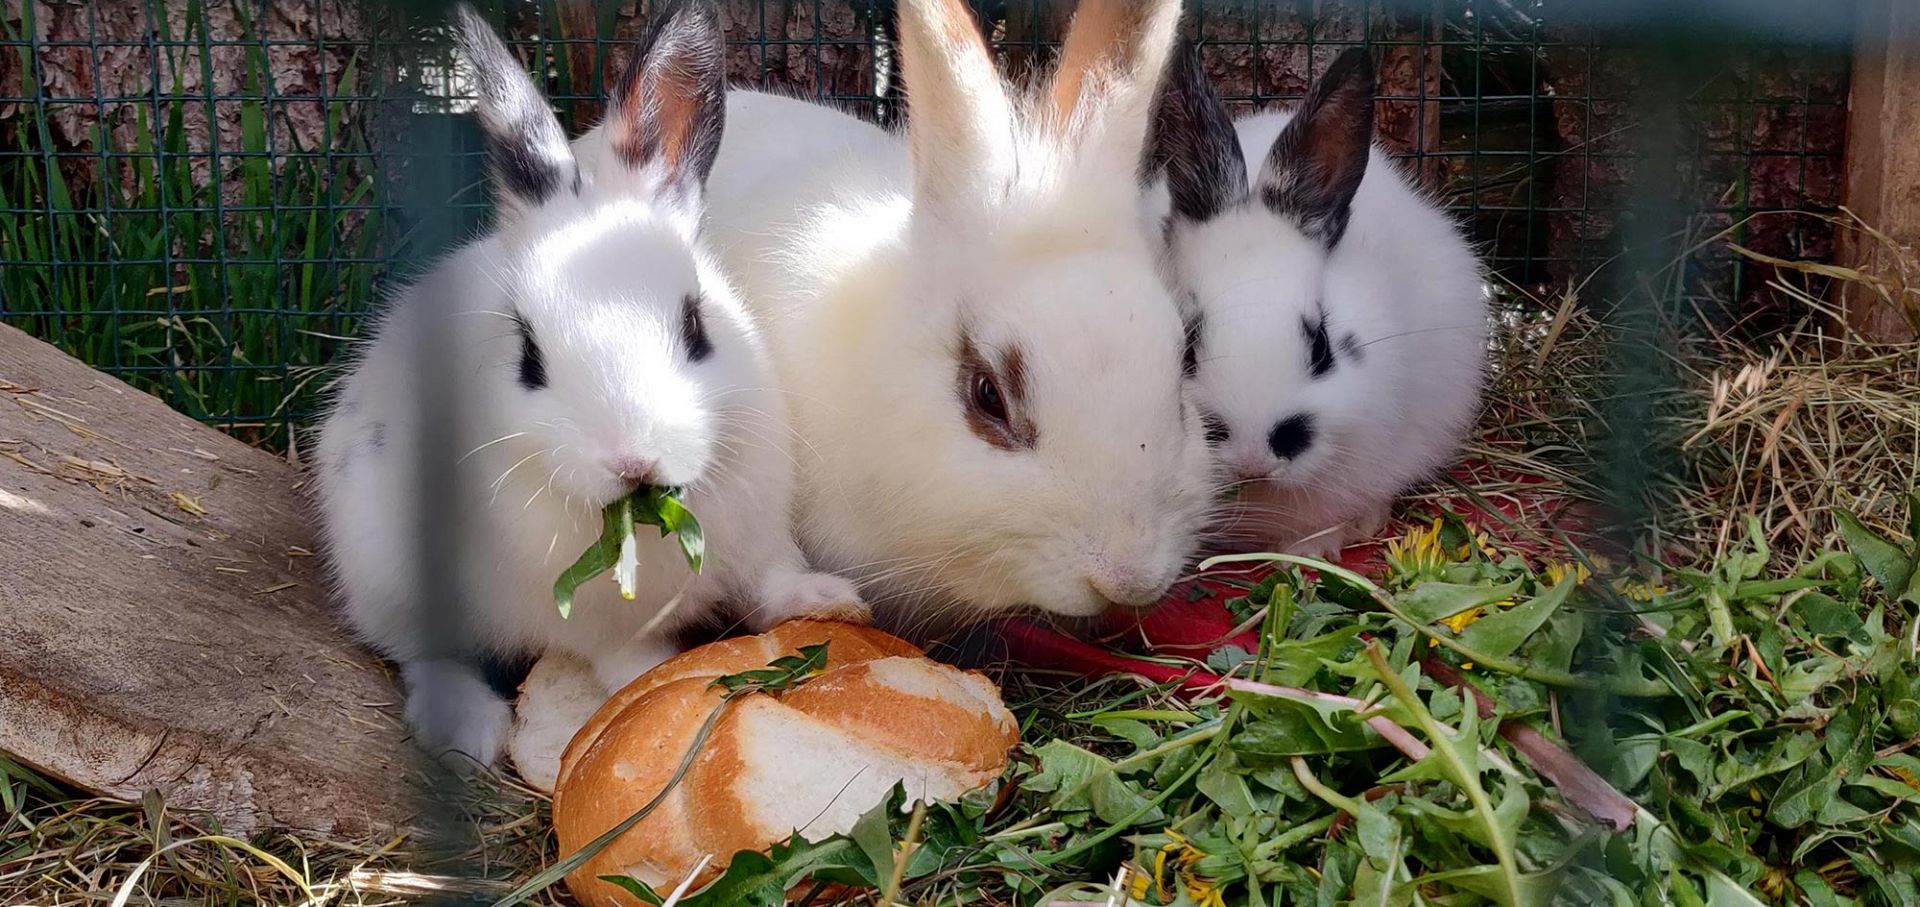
[[207, 198]]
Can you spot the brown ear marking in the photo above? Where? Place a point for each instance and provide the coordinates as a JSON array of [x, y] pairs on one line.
[[959, 27], [670, 104], [960, 122], [1016, 431], [1319, 158], [1103, 45], [951, 24]]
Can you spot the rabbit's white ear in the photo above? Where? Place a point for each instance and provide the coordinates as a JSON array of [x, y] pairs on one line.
[[526, 149], [669, 107], [1103, 92], [960, 122]]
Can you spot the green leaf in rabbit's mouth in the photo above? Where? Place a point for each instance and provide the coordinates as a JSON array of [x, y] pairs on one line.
[[618, 550]]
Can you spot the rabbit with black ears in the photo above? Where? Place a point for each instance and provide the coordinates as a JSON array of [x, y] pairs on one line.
[[983, 364], [586, 347], [1336, 318]]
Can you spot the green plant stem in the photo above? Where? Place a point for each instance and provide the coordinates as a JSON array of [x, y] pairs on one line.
[[907, 846], [1393, 733], [1174, 715], [1203, 734], [1719, 617], [1334, 798], [1295, 835], [1030, 831], [1467, 777]]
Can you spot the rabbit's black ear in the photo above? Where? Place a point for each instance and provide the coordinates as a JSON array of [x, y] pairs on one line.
[[670, 106], [1315, 166], [1193, 142], [526, 149]]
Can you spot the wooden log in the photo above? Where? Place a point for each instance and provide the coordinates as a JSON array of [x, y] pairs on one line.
[[164, 624], [1882, 184]]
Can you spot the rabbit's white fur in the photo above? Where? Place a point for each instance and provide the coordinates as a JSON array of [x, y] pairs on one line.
[[1405, 321], [870, 256], [435, 443]]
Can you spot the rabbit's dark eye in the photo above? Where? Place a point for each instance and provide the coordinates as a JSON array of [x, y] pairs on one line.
[[533, 369], [1319, 345], [693, 329], [1190, 356], [986, 397], [1217, 431], [992, 398]]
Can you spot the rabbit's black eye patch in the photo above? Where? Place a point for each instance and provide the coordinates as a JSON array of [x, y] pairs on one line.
[[1350, 344], [693, 329], [1319, 345], [533, 368]]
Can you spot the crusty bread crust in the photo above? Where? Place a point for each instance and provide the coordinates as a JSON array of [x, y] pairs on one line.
[[812, 760]]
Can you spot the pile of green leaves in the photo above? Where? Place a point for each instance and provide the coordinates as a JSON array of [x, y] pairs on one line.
[[1756, 716], [650, 505]]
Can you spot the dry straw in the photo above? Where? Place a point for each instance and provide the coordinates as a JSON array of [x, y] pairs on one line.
[[1786, 427]]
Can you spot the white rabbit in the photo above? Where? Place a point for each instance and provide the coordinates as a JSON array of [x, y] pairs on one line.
[[585, 347], [1336, 318], [983, 364]]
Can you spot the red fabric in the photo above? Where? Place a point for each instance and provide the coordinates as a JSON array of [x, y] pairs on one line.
[[1190, 624]]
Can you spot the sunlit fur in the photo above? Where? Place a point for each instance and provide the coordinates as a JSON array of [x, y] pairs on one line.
[[599, 277], [866, 273], [1402, 283]]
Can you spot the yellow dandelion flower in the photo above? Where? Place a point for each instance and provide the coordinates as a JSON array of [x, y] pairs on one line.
[[1774, 882], [1204, 893], [1459, 621], [1418, 553], [1173, 865], [1138, 883], [1477, 540], [1639, 590], [1555, 573]]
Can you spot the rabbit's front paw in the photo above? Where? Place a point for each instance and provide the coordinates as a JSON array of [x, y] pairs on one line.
[[811, 596]]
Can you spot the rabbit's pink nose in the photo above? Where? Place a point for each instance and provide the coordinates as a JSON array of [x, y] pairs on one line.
[[1126, 586], [634, 468], [1250, 468]]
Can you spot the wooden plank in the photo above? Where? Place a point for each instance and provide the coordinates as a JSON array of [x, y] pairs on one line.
[[163, 625], [1883, 168]]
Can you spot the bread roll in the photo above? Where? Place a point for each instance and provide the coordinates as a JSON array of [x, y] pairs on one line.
[[559, 695], [813, 759]]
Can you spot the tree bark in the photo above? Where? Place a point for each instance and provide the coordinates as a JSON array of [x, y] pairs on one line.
[[1883, 172], [164, 624]]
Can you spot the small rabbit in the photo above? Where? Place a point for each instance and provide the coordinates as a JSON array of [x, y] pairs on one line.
[[1336, 319], [983, 364], [584, 348]]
